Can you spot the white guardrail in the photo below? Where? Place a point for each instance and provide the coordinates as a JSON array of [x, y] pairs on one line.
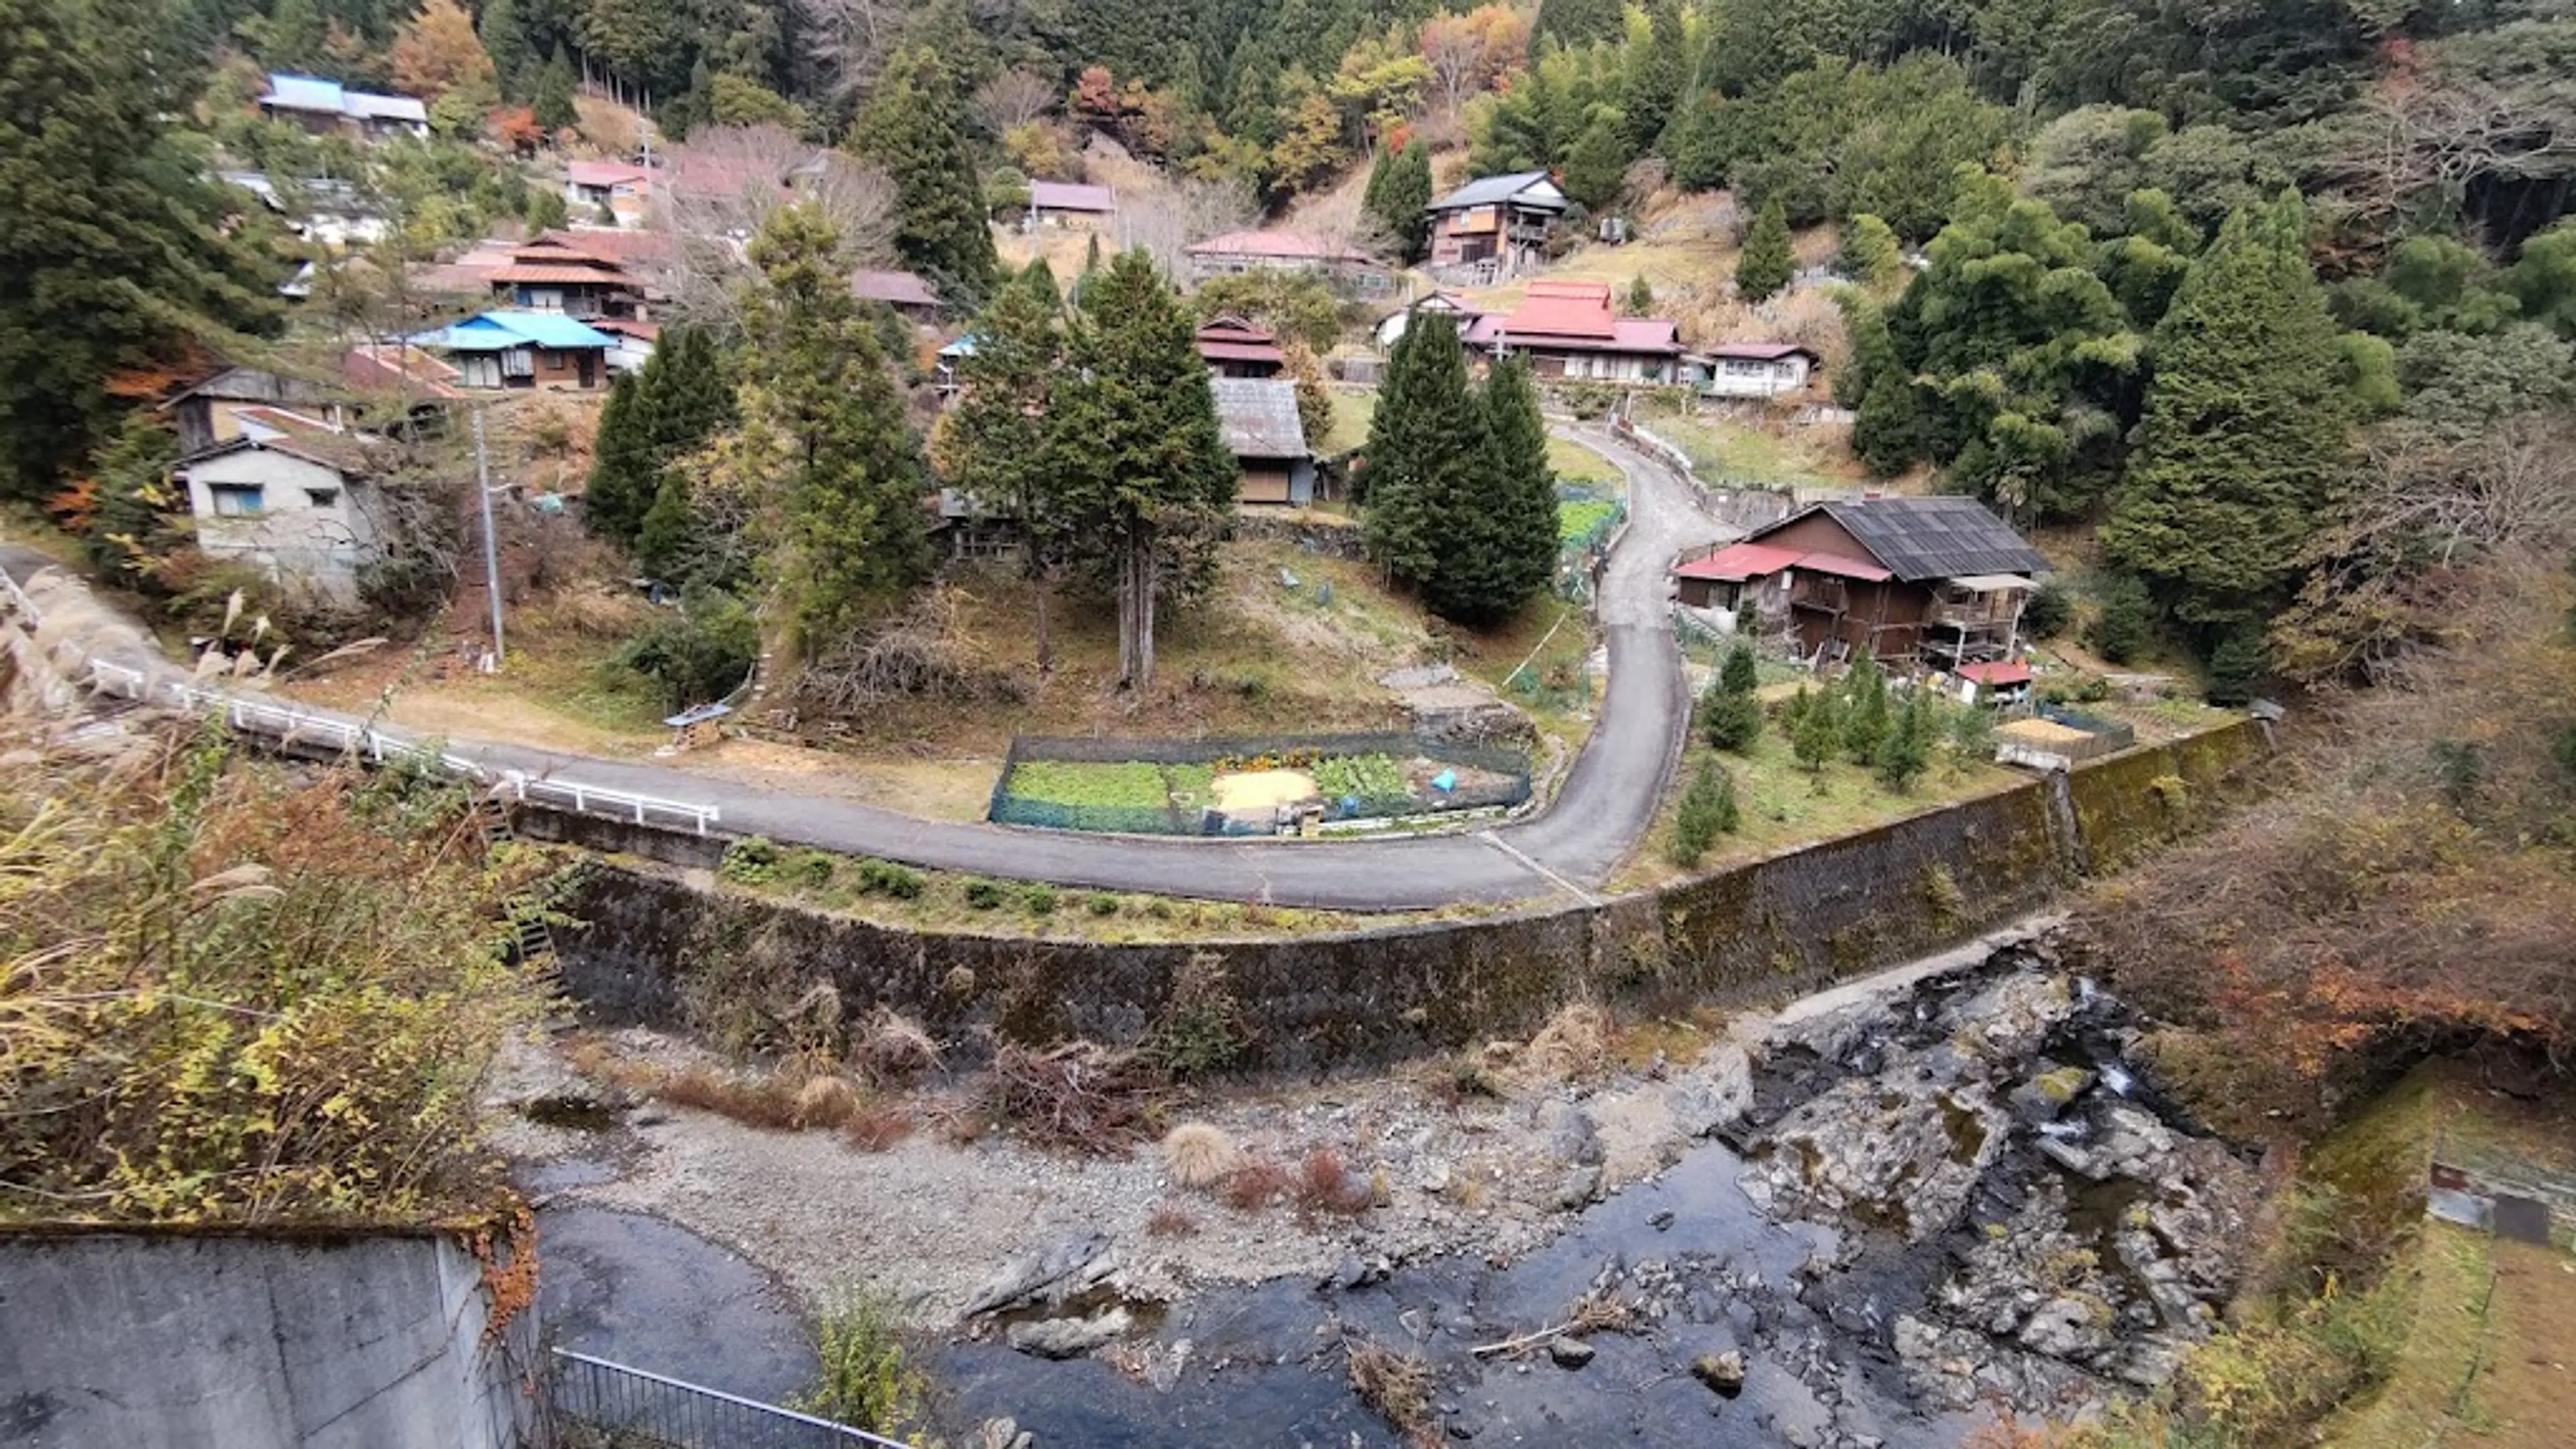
[[289, 725]]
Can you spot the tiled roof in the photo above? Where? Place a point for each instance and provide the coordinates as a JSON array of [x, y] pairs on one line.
[[1295, 246], [612, 243], [1486, 190], [400, 365], [1070, 196], [1995, 675], [1935, 538], [559, 274], [1258, 417]]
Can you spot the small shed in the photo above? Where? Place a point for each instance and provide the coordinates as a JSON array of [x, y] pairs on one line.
[[1258, 418], [1994, 683]]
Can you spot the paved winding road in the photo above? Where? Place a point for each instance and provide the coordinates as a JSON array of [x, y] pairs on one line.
[[1604, 806]]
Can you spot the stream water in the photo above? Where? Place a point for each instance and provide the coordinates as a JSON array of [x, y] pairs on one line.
[[1964, 1194]]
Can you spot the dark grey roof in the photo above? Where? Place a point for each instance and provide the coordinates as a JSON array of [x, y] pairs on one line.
[[1935, 538], [1486, 190], [1258, 416]]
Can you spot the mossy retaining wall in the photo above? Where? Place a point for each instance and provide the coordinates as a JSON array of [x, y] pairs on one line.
[[656, 949]]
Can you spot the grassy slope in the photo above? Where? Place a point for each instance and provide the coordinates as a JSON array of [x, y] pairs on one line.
[[1782, 808], [2487, 1359]]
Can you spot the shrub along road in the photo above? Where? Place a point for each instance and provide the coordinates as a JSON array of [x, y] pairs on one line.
[[1605, 805]]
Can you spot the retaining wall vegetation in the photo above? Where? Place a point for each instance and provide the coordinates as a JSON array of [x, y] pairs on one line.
[[656, 949]]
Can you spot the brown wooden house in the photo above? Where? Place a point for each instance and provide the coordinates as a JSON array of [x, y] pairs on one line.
[[1935, 581]]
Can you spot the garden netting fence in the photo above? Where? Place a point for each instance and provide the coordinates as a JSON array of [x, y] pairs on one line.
[[1248, 785]]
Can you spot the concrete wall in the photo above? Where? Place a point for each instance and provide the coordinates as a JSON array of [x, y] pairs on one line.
[[147, 1340], [321, 546], [657, 950]]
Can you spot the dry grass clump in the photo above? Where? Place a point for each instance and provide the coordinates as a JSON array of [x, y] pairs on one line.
[[1079, 1097], [1324, 1185], [893, 1050], [877, 1126], [825, 1102], [767, 1103], [1597, 1313], [1170, 1222], [1573, 1046], [1395, 1385], [1256, 1184], [1200, 1155]]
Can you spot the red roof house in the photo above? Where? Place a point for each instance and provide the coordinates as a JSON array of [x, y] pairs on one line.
[[1568, 330]]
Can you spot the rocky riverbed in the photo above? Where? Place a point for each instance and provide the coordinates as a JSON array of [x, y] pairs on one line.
[[1874, 1218]]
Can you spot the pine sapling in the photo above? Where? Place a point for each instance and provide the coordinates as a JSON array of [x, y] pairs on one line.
[[1707, 808], [1907, 750], [1731, 712]]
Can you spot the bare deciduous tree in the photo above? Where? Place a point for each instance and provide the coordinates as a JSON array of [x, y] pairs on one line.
[[1166, 221], [1014, 98], [852, 38], [725, 181], [2419, 507]]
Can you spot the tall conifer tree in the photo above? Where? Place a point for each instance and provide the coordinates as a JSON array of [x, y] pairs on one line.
[[1508, 536], [914, 128], [1766, 263], [1145, 476], [2244, 430], [622, 467], [823, 436], [1426, 445], [110, 253], [998, 442]]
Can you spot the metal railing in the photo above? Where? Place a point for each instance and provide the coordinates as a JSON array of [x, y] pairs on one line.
[[629, 1407], [289, 725]]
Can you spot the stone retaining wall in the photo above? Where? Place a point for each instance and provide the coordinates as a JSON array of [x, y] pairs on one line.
[[655, 949]]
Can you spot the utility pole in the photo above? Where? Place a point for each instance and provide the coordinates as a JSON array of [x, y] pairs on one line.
[[491, 549]]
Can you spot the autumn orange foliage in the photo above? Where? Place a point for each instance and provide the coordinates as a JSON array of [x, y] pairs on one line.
[[2408, 891]]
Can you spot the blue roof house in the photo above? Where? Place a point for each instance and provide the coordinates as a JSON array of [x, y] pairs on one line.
[[323, 106], [505, 349]]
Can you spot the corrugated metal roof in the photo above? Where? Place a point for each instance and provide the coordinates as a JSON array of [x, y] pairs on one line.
[[1841, 567], [604, 173], [899, 289], [1739, 561], [1285, 245], [1486, 190], [1071, 196], [312, 93], [1759, 351], [1564, 309], [1258, 417], [302, 93], [1935, 538], [371, 106]]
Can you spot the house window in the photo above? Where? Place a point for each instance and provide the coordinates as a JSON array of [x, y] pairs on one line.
[[237, 500], [322, 497], [518, 362]]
